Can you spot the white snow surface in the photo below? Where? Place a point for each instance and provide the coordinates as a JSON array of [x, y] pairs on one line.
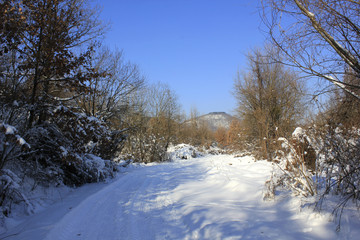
[[298, 133], [212, 197]]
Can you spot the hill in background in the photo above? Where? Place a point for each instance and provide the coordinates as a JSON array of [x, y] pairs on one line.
[[216, 120]]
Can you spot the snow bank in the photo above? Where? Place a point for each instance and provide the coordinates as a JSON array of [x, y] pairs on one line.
[[186, 151], [99, 168]]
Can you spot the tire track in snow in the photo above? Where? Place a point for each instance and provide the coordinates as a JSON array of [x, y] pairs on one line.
[[136, 203], [94, 218]]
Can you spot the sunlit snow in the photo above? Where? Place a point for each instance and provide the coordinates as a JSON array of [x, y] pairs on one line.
[[211, 197]]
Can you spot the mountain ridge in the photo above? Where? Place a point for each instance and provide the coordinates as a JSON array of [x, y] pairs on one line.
[[216, 120]]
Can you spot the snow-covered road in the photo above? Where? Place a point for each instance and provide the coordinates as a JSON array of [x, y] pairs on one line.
[[213, 197]]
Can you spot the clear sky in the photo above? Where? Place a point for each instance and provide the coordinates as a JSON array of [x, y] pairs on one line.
[[194, 46]]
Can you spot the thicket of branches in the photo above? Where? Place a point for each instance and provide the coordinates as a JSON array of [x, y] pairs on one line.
[[321, 39], [194, 131], [153, 122], [270, 102]]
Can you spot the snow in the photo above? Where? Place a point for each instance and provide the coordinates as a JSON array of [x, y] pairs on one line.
[[211, 197], [339, 83], [298, 133], [64, 152], [9, 130], [21, 141], [182, 151]]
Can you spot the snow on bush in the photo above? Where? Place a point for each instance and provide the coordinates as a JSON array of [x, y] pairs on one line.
[[10, 139], [214, 150], [339, 163], [292, 171], [12, 194], [320, 161], [183, 151], [99, 168], [65, 147], [69, 148], [12, 145]]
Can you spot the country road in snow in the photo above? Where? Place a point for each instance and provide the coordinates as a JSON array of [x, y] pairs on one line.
[[212, 197]]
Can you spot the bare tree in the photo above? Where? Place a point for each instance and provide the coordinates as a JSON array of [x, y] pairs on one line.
[[320, 37], [343, 109], [153, 123], [269, 100], [220, 136], [112, 87], [235, 138], [196, 131], [163, 109]]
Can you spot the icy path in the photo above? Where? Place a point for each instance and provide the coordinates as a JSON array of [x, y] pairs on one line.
[[214, 197]]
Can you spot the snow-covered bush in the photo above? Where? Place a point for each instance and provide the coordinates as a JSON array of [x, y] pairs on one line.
[[84, 132], [337, 159], [183, 151], [98, 168], [61, 148], [339, 162], [214, 150], [11, 193], [294, 172], [336, 170], [13, 113], [88, 134], [295, 162], [143, 147], [303, 145], [11, 144]]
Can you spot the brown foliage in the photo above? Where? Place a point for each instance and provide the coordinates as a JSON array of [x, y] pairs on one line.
[[221, 137], [344, 108], [306, 151], [269, 100]]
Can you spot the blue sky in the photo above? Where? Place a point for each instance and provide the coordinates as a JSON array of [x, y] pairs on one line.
[[194, 46]]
